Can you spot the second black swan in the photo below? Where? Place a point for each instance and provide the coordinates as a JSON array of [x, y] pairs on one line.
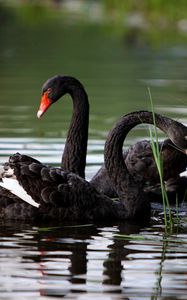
[[62, 195]]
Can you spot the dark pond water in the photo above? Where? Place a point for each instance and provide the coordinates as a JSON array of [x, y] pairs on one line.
[[86, 261]]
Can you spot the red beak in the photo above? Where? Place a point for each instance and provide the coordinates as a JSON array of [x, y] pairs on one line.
[[44, 105]]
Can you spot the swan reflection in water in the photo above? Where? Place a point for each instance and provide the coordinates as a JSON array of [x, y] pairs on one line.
[[92, 259]]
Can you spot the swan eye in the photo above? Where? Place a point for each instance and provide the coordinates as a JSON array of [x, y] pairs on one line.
[[49, 90]]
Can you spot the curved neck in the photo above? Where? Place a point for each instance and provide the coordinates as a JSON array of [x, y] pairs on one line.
[[74, 155], [114, 161]]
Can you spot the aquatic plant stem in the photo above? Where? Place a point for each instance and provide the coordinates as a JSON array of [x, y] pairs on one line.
[[159, 164]]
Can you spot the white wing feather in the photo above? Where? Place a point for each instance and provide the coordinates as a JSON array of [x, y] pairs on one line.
[[15, 188]]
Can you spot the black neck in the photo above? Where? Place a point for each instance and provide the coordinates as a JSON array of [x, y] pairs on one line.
[[74, 156]]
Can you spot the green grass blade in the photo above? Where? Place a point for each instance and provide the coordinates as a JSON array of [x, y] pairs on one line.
[[159, 164]]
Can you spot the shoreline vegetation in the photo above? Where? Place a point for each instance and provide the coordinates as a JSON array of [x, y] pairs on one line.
[[145, 21]]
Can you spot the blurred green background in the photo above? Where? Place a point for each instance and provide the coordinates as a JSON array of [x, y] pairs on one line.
[[116, 48]]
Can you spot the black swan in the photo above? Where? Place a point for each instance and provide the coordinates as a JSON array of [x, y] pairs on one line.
[[138, 158], [62, 195], [175, 131]]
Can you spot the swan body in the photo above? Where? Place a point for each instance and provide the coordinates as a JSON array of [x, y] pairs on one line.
[[63, 195], [144, 167], [59, 195], [141, 165]]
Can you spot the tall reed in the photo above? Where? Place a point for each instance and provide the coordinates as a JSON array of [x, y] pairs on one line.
[[168, 219]]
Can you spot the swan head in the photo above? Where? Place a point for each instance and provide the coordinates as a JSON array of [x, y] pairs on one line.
[[178, 134], [53, 89]]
